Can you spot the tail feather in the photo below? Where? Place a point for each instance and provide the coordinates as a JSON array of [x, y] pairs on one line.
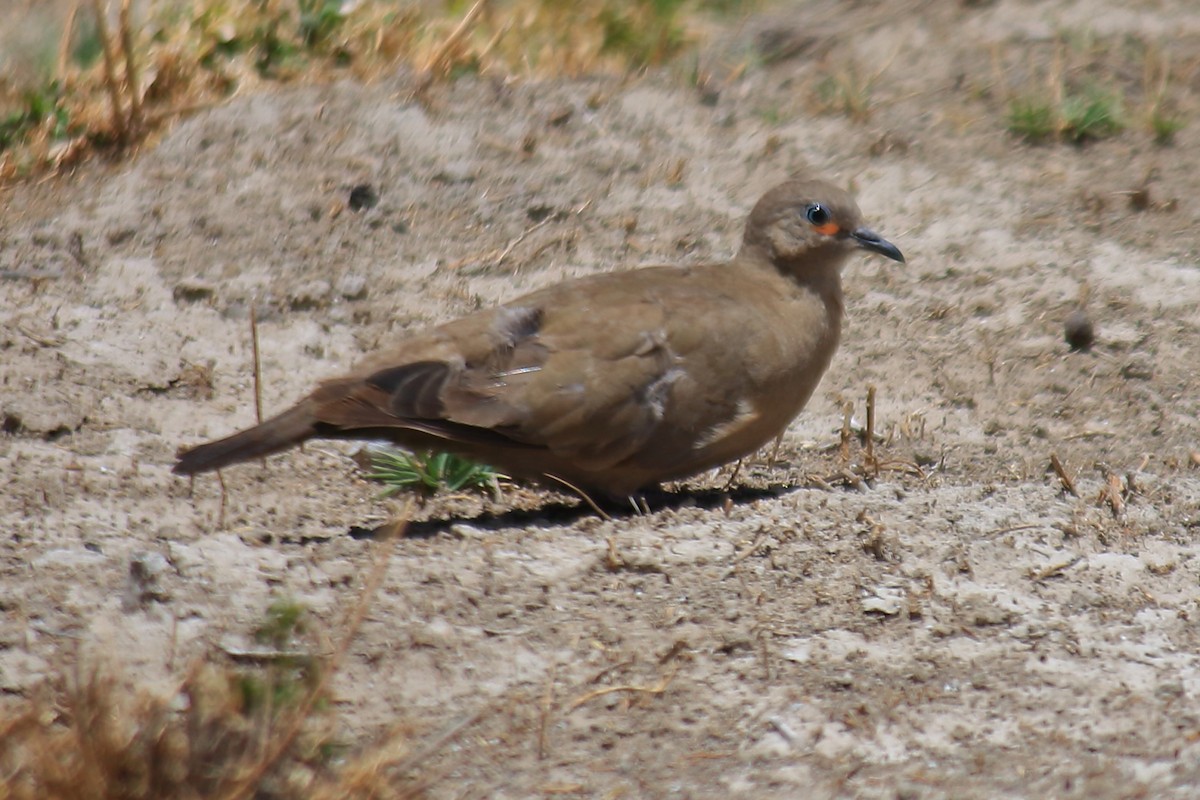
[[273, 436]]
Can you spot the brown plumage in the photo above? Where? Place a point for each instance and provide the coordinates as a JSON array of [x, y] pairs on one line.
[[613, 382]]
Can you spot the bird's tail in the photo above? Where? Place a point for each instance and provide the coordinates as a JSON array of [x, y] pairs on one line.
[[275, 435]]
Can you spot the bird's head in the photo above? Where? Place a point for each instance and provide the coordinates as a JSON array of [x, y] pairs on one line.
[[804, 225]]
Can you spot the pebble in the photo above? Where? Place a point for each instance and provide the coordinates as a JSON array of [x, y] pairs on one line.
[[1079, 331]]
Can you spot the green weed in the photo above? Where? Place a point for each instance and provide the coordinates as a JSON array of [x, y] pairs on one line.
[[1091, 114], [41, 106], [1079, 117], [1165, 125], [400, 471], [847, 92], [290, 673], [1034, 120]]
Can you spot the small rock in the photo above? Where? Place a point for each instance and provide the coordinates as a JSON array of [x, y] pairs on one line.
[[183, 558], [457, 172], [363, 196], [1079, 331], [887, 606], [352, 286], [340, 573], [1138, 369], [67, 558], [118, 236], [436, 633], [313, 294], [467, 532], [1139, 199], [193, 290], [144, 582], [980, 611], [561, 116]]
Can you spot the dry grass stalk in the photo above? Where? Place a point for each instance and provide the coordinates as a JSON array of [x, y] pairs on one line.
[[91, 738], [204, 51], [440, 63], [131, 75], [871, 462], [1112, 493], [110, 70], [847, 430], [655, 689], [544, 717], [258, 404], [248, 787], [1064, 477]]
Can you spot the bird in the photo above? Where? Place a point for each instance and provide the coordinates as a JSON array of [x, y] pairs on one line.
[[612, 383]]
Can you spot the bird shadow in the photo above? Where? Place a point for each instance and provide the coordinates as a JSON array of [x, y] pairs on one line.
[[558, 513]]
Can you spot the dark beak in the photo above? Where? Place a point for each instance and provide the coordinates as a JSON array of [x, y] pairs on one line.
[[870, 240]]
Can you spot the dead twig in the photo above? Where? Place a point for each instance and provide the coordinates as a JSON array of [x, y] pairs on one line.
[[737, 468], [224, 496], [258, 407], [1112, 493], [65, 43], [847, 419], [1088, 434], [657, 688], [460, 31], [131, 75], [44, 341], [749, 551], [1068, 483], [246, 786], [1015, 528], [582, 495], [775, 450], [544, 720], [1054, 570], [450, 734], [871, 463], [494, 258], [110, 70]]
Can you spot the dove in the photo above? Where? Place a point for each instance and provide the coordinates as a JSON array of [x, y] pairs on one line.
[[611, 383]]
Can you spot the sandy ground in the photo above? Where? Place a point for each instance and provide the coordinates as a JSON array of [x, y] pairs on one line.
[[968, 629]]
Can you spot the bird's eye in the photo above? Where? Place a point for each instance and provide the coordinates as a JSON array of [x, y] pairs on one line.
[[817, 215]]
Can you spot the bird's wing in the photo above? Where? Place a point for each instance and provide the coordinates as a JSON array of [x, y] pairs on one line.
[[546, 371]]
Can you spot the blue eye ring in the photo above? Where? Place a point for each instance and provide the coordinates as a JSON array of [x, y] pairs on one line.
[[817, 215]]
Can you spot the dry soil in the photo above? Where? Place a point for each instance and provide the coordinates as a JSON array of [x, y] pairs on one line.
[[959, 626]]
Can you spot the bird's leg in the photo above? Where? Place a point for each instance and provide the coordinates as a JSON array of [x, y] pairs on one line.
[[224, 496], [640, 506], [775, 449], [737, 468]]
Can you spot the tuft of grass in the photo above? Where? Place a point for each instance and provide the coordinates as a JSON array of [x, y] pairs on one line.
[[207, 738], [645, 32], [319, 20], [1163, 115], [1078, 117], [285, 620], [41, 108], [1084, 88], [289, 674], [165, 58], [1032, 119], [1164, 125], [1091, 114], [846, 93], [429, 472]]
